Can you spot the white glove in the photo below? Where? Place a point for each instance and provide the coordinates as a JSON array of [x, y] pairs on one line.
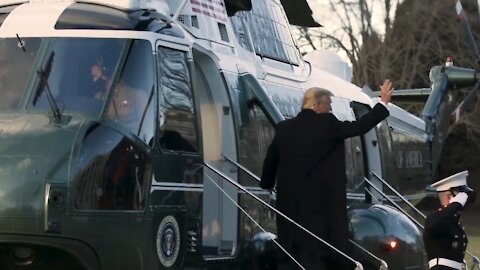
[[461, 198]]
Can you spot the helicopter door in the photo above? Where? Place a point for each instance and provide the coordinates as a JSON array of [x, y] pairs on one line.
[[176, 193], [371, 150], [220, 214]]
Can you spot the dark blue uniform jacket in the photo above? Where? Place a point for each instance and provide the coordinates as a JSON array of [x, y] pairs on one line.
[[444, 236]]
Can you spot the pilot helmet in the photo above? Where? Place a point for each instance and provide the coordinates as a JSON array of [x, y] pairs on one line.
[[454, 183]]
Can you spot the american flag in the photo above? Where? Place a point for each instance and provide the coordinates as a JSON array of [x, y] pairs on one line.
[[212, 8]]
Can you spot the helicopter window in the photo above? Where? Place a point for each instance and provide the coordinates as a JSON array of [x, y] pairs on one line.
[[255, 136], [367, 228], [80, 75], [131, 102], [93, 16], [194, 21], [254, 130], [223, 32], [15, 68], [354, 164], [65, 73], [113, 173], [177, 119], [268, 26]]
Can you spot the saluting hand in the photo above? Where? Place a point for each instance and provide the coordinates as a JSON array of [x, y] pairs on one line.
[[461, 198], [386, 91]]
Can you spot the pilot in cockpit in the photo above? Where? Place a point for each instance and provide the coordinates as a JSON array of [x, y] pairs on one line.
[[125, 93], [101, 80], [126, 104]]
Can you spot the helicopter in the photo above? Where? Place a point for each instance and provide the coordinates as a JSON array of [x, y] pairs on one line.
[[152, 164]]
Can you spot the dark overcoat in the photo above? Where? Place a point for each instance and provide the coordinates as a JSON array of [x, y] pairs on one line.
[[444, 236], [307, 161]]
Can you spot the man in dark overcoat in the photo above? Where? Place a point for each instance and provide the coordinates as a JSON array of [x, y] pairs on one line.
[[306, 160], [444, 237]]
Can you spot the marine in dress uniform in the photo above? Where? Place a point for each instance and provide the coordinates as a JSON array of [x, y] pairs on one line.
[[444, 237]]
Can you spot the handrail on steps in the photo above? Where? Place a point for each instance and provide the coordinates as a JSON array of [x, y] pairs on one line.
[[237, 185], [255, 222], [383, 264]]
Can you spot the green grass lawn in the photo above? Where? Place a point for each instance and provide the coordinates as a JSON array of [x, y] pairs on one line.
[[473, 233]]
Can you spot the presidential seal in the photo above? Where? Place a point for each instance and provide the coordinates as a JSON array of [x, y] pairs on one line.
[[168, 241]]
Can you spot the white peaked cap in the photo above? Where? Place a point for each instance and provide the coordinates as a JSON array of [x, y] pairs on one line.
[[456, 180]]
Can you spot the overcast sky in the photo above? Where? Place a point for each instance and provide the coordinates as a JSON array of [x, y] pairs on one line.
[[323, 14]]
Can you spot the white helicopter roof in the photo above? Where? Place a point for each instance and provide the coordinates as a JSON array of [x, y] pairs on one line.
[[159, 5], [331, 62]]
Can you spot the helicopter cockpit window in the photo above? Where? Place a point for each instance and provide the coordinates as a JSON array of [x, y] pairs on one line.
[[66, 73], [177, 125], [131, 101], [90, 75], [16, 61]]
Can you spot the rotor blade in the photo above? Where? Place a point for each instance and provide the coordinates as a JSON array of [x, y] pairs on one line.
[[478, 8], [467, 104], [468, 31], [299, 13]]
